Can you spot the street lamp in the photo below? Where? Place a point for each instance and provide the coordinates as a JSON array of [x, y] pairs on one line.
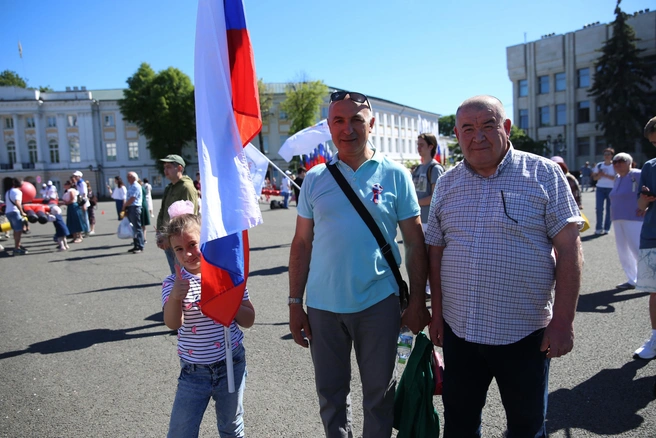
[[557, 146]]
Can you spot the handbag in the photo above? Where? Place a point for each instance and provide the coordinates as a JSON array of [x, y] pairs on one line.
[[385, 248], [125, 229]]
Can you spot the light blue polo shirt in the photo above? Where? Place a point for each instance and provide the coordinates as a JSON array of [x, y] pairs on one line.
[[348, 272]]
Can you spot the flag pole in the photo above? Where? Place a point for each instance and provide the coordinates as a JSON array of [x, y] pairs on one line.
[[277, 168], [227, 339]]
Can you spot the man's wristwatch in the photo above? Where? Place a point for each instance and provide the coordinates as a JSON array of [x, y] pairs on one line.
[[294, 301]]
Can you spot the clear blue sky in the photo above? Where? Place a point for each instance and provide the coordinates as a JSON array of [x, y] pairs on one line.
[[428, 54]]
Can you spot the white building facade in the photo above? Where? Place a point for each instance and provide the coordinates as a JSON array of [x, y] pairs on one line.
[[551, 79], [48, 136]]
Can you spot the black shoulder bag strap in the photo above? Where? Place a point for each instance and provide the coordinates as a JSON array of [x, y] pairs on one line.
[[385, 247]]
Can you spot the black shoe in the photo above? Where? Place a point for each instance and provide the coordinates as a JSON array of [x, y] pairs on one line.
[[132, 249], [625, 286]]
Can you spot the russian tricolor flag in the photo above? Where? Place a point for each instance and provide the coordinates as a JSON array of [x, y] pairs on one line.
[[227, 118]]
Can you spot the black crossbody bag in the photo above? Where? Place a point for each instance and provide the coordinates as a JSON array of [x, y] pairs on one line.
[[385, 248]]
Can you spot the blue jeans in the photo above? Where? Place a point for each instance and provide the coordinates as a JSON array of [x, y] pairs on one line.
[[196, 384], [134, 216], [522, 374], [603, 194], [119, 207], [285, 199]]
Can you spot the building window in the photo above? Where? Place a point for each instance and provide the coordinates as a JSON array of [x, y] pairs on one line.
[[72, 121], [74, 147], [133, 150], [53, 147], [29, 122], [583, 77], [560, 82], [283, 115], [561, 114], [265, 144], [324, 112], [583, 146], [11, 152], [128, 123], [523, 87], [543, 116], [9, 123], [523, 119], [110, 149], [543, 84], [52, 122], [31, 150], [583, 113], [109, 119]]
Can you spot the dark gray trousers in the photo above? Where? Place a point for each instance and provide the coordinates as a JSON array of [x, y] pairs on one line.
[[373, 332]]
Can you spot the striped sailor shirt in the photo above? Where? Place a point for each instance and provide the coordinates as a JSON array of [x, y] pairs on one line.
[[200, 339], [498, 265]]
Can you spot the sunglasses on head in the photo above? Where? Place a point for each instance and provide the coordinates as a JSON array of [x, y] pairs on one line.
[[354, 96]]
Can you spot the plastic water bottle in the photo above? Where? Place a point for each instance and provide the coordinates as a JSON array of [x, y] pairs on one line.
[[404, 345]]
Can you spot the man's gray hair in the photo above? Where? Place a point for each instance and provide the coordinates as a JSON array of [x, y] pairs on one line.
[[134, 174], [484, 102]]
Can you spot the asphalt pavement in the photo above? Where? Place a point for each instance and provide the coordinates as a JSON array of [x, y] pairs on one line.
[[84, 351]]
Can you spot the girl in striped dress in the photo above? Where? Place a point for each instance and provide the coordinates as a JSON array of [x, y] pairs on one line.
[[201, 345]]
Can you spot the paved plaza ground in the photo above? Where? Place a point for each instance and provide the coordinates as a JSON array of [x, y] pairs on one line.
[[84, 352]]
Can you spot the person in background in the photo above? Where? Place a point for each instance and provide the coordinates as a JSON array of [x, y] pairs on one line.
[[118, 194], [300, 176], [132, 207], [74, 219], [52, 195], [44, 191], [146, 207], [604, 174], [81, 186], [286, 189], [647, 257], [181, 188], [627, 217], [149, 198], [91, 211], [14, 210], [571, 180], [586, 172]]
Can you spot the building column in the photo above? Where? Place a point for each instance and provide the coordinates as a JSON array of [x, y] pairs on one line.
[[18, 142], [41, 143], [64, 148]]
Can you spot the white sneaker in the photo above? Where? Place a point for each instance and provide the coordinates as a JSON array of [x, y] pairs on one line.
[[647, 351]]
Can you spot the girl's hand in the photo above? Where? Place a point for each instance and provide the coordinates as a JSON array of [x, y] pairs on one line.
[[180, 287]]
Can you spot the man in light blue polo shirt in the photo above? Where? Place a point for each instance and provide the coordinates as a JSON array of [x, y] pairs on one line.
[[352, 295]]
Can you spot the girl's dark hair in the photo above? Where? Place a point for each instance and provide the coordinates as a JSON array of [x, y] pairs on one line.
[[68, 183], [145, 180], [119, 181], [181, 224]]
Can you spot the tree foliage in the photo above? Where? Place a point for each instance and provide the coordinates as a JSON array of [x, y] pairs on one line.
[[446, 125], [302, 103], [162, 106], [10, 78], [523, 142], [622, 86], [266, 102]]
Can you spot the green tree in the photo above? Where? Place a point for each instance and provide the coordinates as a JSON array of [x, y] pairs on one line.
[[523, 142], [446, 125], [162, 106], [46, 89], [302, 102], [266, 101], [10, 78], [622, 87]]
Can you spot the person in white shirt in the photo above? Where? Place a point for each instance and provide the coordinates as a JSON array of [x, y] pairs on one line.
[[604, 174], [14, 210], [51, 192]]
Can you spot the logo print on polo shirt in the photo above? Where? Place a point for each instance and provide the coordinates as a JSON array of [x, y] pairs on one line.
[[377, 189]]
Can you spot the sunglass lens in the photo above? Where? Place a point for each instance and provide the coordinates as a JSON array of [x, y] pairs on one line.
[[338, 95], [355, 97]]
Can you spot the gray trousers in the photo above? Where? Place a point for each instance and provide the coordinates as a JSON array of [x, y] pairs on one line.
[[373, 332]]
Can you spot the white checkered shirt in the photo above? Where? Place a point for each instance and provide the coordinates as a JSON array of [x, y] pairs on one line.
[[498, 266]]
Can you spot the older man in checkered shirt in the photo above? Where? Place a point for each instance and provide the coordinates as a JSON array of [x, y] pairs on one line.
[[503, 300]]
